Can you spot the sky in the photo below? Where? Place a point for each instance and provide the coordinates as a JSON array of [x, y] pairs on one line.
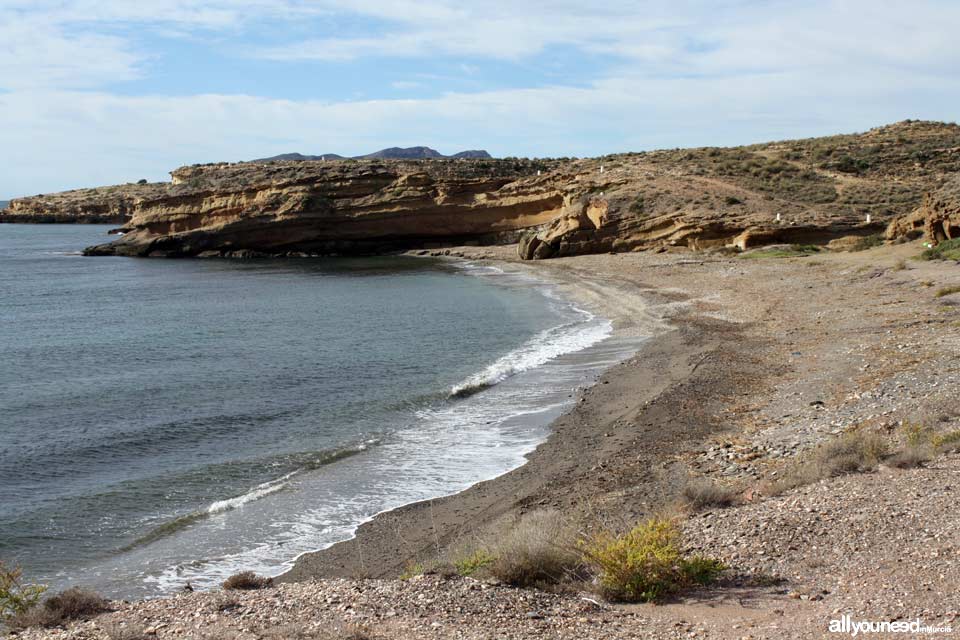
[[97, 92]]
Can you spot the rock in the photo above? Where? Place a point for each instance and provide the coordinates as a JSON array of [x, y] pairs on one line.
[[717, 200], [247, 210], [936, 219]]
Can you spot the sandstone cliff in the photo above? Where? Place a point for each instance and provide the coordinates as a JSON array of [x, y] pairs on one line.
[[936, 219], [102, 205], [820, 190], [306, 208]]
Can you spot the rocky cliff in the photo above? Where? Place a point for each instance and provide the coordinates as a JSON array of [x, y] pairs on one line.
[[307, 208], [103, 205], [936, 219], [830, 190]]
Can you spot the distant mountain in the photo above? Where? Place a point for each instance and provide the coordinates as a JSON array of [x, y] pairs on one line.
[[393, 153], [300, 156], [4, 204], [472, 154], [410, 153]]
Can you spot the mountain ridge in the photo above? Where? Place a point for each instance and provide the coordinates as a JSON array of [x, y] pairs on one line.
[[390, 153]]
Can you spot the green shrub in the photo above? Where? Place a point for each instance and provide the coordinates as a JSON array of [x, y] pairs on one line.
[[947, 442], [16, 597], [474, 562], [412, 570], [646, 564], [946, 250], [916, 434]]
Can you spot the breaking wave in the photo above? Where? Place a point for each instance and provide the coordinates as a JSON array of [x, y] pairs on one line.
[[305, 462], [545, 346]]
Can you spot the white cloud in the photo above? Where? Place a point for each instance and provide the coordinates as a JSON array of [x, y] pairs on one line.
[[62, 43], [686, 73], [35, 53], [69, 139]]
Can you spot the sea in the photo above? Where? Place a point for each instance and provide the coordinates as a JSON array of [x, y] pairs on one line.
[[165, 421]]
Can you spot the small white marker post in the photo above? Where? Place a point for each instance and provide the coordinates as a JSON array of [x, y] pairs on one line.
[[868, 218], [601, 168], [538, 171], [778, 217]]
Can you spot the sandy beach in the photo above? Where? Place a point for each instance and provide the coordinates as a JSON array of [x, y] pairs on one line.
[[750, 362]]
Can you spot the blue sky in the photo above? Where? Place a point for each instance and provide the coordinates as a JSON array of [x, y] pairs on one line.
[[108, 91]]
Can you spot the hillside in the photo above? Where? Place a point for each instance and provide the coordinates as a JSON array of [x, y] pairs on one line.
[[822, 189], [833, 189]]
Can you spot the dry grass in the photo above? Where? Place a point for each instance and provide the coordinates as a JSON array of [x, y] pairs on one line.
[[946, 291], [911, 457], [342, 631], [868, 242], [853, 452], [117, 631], [247, 581], [701, 494], [73, 604], [790, 251], [540, 549]]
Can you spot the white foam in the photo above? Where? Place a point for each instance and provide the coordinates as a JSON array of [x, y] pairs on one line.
[[542, 348], [256, 493]]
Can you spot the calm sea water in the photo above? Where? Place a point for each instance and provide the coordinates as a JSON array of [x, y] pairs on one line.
[[164, 421]]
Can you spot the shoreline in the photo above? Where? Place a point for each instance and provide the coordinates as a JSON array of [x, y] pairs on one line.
[[764, 360], [576, 290], [446, 522]]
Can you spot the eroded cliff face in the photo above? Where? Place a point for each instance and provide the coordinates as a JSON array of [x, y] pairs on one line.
[[102, 205], [308, 208], [829, 191], [936, 219]]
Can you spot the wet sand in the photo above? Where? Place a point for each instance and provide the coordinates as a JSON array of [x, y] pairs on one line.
[[610, 457]]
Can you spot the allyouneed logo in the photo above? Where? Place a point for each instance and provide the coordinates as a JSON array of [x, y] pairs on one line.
[[848, 625]]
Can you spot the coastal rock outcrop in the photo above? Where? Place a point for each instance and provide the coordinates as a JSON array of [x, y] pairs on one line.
[[827, 191], [102, 205], [309, 208], [816, 191]]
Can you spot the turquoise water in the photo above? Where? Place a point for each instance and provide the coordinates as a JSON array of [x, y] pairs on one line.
[[173, 420]]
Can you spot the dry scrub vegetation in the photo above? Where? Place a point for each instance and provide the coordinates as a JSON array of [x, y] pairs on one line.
[[851, 453], [643, 564], [247, 581], [75, 603], [700, 494]]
